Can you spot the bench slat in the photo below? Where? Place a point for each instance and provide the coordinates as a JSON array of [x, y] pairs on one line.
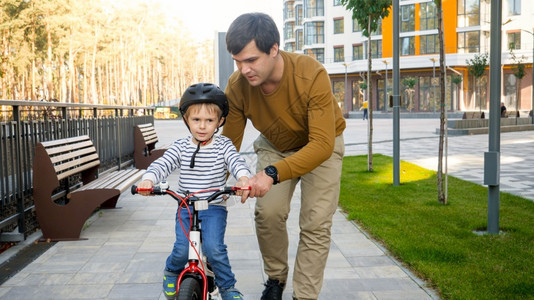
[[69, 147], [119, 180], [64, 141], [78, 164], [75, 171], [73, 154], [144, 125], [134, 177]]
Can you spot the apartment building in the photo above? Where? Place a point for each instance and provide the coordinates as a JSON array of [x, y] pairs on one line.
[[325, 30]]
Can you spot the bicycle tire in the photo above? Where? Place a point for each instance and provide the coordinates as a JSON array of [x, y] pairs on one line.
[[190, 289]]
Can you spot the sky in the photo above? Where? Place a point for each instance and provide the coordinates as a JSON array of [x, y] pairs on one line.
[[205, 17]]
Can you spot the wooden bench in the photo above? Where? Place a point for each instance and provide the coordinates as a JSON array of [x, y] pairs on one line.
[[473, 115], [145, 139], [511, 114], [73, 163]]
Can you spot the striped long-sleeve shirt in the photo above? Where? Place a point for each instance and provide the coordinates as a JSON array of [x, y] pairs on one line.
[[211, 165]]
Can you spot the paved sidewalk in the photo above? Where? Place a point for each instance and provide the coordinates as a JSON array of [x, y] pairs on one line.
[[125, 250]]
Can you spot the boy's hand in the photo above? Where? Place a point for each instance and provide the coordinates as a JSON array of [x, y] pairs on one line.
[[242, 182], [145, 184]]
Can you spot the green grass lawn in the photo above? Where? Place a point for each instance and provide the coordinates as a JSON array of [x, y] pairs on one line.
[[436, 241]]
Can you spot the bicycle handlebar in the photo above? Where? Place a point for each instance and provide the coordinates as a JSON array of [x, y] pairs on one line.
[[156, 190]]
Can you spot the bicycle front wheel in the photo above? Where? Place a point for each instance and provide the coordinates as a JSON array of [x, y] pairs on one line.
[[190, 289]]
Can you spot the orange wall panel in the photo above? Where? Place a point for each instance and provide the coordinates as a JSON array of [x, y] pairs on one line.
[[450, 9], [387, 34]]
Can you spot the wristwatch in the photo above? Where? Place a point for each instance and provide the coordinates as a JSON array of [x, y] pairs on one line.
[[272, 172]]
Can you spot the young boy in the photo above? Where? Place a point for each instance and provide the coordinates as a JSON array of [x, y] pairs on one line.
[[203, 159]]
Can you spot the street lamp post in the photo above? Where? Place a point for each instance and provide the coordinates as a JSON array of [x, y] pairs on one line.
[[386, 87], [532, 87], [433, 59]]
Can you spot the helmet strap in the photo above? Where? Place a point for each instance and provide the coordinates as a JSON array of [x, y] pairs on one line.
[[200, 143]]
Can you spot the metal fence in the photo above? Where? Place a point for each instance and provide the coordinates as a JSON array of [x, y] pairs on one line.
[[25, 123]]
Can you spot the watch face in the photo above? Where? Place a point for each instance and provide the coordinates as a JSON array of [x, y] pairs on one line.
[[272, 172]]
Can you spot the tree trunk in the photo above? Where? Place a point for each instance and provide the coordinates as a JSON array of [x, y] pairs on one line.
[[517, 98], [441, 190]]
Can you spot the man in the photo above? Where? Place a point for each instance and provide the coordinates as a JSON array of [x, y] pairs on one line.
[[503, 110], [288, 98]]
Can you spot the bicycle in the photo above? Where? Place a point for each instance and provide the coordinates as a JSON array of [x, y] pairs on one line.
[[197, 280]]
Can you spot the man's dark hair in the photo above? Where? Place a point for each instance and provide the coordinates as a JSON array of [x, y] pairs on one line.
[[252, 26]]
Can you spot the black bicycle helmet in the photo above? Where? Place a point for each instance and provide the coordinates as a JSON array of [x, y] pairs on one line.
[[204, 93]]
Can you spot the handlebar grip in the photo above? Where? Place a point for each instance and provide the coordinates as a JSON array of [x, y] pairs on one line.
[[154, 190], [243, 188]]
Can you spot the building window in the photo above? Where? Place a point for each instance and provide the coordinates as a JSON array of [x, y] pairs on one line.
[[357, 52], [510, 91], [429, 44], [317, 53], [314, 33], [337, 2], [407, 45], [407, 18], [290, 47], [339, 54], [469, 42], [313, 8], [299, 40], [468, 13], [427, 94], [514, 7], [428, 16], [378, 28], [356, 26], [289, 12], [376, 49], [289, 30], [514, 40], [339, 93], [298, 12], [339, 25]]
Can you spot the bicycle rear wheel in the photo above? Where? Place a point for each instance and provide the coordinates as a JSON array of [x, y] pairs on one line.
[[190, 289]]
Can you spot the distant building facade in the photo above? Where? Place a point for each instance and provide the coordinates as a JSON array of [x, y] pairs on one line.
[[325, 30]]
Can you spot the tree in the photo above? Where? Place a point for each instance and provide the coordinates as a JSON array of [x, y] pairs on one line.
[[519, 72], [409, 83], [477, 67], [368, 13], [442, 195], [106, 52]]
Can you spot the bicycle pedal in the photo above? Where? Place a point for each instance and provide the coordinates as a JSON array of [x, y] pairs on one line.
[[215, 294]]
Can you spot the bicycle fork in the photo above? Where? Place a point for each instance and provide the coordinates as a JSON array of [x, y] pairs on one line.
[[196, 263]]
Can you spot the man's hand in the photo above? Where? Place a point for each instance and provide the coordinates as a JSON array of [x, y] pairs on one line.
[[145, 184], [260, 184]]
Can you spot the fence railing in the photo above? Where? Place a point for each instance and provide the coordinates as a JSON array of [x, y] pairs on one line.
[[25, 123]]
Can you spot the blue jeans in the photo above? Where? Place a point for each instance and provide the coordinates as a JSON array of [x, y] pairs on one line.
[[213, 230]]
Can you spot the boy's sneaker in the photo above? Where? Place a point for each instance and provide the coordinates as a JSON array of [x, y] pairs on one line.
[[169, 286], [273, 290], [231, 294]]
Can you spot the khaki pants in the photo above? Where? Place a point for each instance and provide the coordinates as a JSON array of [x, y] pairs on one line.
[[319, 200]]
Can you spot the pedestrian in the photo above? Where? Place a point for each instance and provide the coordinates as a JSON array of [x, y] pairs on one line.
[[503, 110], [364, 107], [203, 160], [288, 98]]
